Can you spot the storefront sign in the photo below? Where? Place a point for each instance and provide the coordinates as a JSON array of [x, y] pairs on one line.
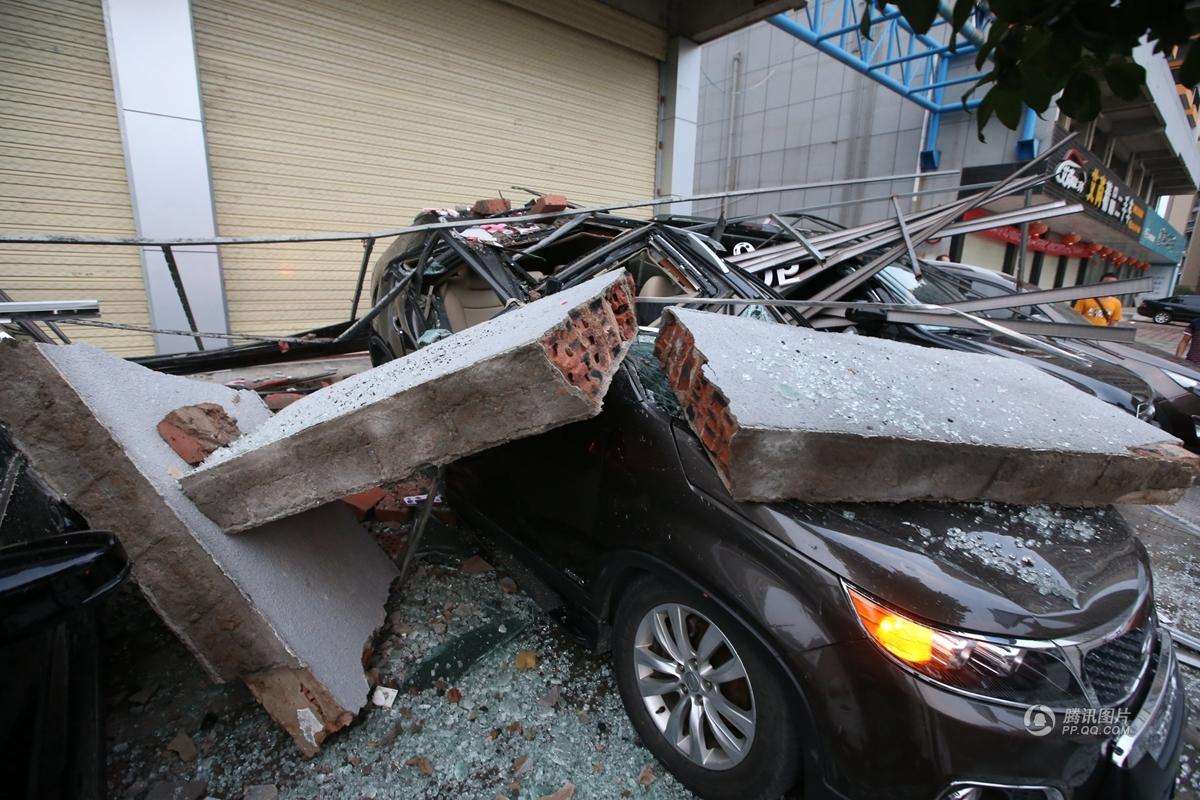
[[1161, 237], [1011, 234], [1081, 175]]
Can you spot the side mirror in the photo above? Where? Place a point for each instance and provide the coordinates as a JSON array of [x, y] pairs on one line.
[[43, 580]]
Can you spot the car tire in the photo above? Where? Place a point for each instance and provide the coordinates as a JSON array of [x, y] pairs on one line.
[[755, 711], [1162, 317]]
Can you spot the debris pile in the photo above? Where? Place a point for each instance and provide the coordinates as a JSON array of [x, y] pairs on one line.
[[537, 367], [487, 728], [250, 608], [789, 413]]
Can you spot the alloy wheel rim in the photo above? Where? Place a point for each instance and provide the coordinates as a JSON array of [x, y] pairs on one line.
[[694, 686]]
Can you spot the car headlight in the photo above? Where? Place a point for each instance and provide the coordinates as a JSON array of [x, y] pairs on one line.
[[1022, 673]]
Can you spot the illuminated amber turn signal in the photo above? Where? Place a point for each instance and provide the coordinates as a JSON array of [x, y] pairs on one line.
[[900, 636]]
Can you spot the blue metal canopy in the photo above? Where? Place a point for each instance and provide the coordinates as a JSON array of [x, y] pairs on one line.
[[914, 65]]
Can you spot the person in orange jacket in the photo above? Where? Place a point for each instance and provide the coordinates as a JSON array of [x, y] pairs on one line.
[[1101, 310]]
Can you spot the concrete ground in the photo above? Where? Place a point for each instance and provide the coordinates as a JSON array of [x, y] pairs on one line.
[[1162, 337], [1171, 535]]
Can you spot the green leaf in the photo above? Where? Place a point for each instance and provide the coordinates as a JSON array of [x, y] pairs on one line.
[[864, 22], [1081, 98], [996, 34], [1008, 105], [919, 13], [1189, 73], [1125, 78], [1064, 53], [962, 12], [982, 114]]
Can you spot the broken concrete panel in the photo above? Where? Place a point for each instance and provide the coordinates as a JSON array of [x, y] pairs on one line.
[[248, 607], [791, 413], [194, 432], [537, 367]]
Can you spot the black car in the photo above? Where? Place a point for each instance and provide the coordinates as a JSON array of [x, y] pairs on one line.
[[1104, 379], [917, 650], [442, 281], [1177, 308], [1174, 382], [53, 575]]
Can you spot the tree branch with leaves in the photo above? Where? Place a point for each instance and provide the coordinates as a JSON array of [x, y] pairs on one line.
[[1036, 50]]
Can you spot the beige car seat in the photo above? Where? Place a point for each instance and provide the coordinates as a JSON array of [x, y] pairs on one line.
[[659, 286], [469, 300]]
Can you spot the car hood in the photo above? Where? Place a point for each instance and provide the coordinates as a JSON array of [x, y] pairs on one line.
[[1144, 354], [1037, 572], [1032, 572]]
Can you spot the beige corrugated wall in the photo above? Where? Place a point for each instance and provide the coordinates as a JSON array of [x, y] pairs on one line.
[[330, 116], [62, 168]]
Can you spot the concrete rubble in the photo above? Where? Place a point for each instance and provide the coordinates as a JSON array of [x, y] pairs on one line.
[[792, 413], [534, 368], [254, 608]]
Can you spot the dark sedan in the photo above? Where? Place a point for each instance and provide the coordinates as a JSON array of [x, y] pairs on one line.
[[52, 578], [1175, 383], [906, 651], [1177, 308]]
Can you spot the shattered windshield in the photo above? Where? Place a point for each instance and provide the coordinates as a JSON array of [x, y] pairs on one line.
[[938, 288], [932, 288], [652, 377]]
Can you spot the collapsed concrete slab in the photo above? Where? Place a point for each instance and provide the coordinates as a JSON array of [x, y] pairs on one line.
[[288, 610], [792, 413], [534, 368]]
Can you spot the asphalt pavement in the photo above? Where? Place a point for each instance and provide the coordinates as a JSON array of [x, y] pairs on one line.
[[1171, 535]]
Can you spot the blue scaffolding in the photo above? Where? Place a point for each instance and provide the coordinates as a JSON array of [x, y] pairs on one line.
[[914, 65]]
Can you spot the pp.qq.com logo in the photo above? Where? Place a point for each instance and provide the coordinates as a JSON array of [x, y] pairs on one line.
[[1039, 720]]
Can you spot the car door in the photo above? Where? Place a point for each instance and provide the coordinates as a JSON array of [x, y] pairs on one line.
[[1189, 306], [541, 494]]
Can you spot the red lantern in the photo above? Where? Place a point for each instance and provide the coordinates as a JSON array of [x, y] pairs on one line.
[[1037, 229], [1094, 247], [1104, 252], [1070, 238]]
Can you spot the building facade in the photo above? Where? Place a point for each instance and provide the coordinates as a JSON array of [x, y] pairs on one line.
[[195, 118], [805, 99]]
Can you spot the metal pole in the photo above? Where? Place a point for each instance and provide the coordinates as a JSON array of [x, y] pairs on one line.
[[173, 268], [373, 312], [418, 531], [913, 264], [731, 140], [1024, 243], [799, 237], [368, 246], [449, 224]]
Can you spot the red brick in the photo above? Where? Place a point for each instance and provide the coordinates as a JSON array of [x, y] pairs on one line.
[[193, 432], [548, 203], [491, 206], [584, 347], [705, 405], [392, 509], [281, 400], [362, 503]]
